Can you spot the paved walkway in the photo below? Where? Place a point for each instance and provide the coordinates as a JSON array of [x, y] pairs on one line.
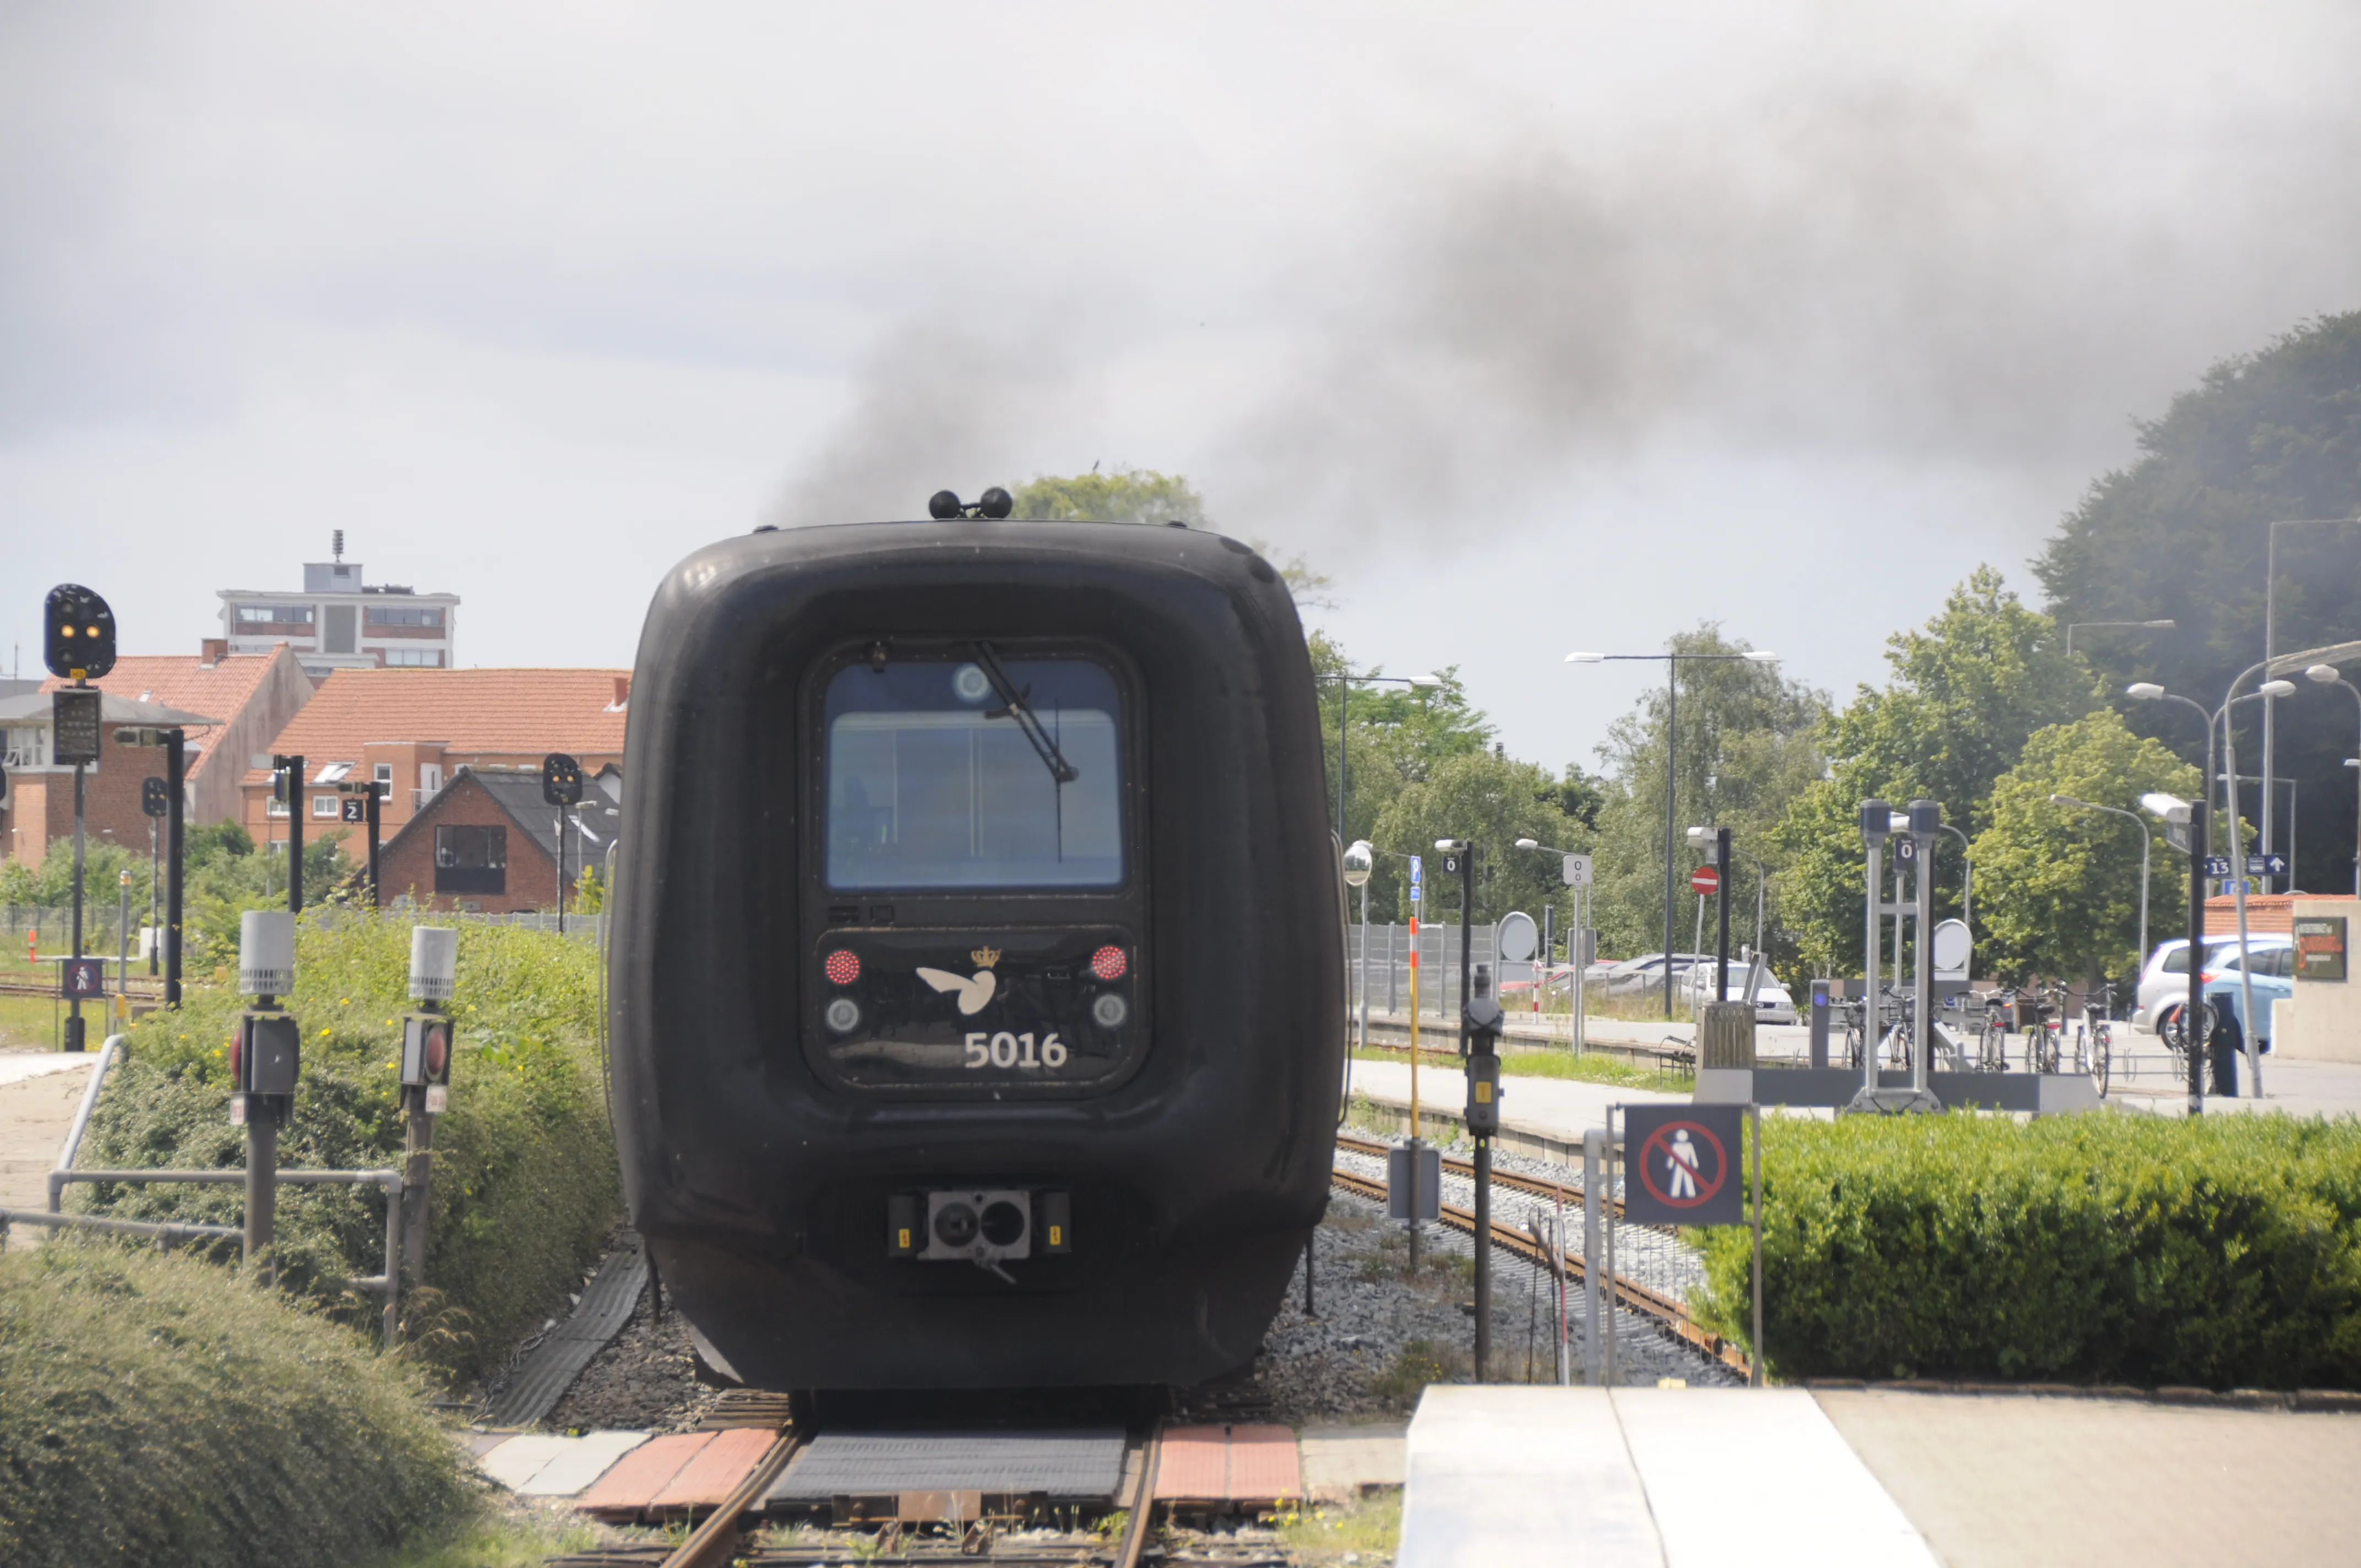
[[1503, 1477], [2016, 1481], [1558, 1107], [40, 1091]]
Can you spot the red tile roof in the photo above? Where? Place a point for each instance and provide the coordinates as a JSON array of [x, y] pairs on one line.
[[218, 690], [518, 712]]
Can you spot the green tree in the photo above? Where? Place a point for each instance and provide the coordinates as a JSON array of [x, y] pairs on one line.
[[1749, 743], [1492, 801], [2182, 535], [1143, 495], [2056, 887], [1966, 692]]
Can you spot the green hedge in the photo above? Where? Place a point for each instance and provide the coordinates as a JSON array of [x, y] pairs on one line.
[[2219, 1252], [525, 1165], [160, 1409]]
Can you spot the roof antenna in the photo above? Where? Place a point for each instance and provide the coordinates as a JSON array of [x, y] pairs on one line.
[[339, 544]]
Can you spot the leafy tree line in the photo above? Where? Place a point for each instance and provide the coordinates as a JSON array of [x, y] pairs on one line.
[[1982, 709]]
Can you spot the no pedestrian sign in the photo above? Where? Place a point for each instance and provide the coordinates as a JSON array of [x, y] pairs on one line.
[[1682, 1165], [1705, 878]]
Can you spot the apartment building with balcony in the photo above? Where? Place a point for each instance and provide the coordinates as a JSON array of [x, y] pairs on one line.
[[342, 621]]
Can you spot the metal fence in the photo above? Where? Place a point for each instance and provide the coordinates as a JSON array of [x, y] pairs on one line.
[[1438, 967], [101, 925]]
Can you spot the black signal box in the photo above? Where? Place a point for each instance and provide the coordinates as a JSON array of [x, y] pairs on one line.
[[155, 797], [426, 1050], [271, 1050], [77, 633], [561, 779]]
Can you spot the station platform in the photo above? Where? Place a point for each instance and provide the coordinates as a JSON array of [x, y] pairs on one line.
[[1672, 1478], [1505, 1476]]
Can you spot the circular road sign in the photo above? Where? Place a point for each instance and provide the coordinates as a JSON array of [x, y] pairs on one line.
[[1682, 1165], [1705, 878]]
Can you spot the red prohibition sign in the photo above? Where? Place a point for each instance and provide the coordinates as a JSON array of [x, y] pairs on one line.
[[1705, 878], [1660, 1158]]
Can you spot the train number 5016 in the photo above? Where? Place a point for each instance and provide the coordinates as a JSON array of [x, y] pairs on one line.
[[1006, 1050]]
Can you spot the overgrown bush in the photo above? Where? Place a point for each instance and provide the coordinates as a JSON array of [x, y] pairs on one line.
[[2217, 1253], [161, 1410], [524, 1182]]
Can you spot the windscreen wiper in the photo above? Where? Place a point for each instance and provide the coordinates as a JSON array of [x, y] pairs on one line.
[[1051, 757]]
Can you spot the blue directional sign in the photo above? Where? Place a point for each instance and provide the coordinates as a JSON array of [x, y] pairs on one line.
[[2266, 865], [2217, 865], [1417, 867]]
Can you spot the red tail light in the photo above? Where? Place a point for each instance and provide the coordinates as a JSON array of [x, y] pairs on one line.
[[843, 967], [1109, 964]]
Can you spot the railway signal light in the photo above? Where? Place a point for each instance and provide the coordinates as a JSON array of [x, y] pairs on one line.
[[77, 633], [426, 1057], [561, 779], [155, 797]]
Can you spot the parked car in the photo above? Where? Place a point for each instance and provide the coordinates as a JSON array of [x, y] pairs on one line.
[[2164, 984], [2270, 979], [1634, 977], [1773, 1005]]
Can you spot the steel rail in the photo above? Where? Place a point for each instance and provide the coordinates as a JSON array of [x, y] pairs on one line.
[[1639, 1298], [714, 1541], [1136, 1530]]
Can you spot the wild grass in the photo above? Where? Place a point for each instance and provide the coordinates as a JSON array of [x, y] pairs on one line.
[[160, 1409], [524, 1177]]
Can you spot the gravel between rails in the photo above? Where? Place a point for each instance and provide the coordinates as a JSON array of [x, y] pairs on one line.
[[1377, 1340]]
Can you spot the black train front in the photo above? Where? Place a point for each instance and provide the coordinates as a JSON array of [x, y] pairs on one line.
[[977, 964]]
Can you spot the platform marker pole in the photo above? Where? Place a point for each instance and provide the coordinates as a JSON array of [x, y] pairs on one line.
[[1757, 1376], [1594, 1172], [1614, 1169]]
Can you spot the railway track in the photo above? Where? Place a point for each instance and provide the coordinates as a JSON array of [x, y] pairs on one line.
[[1674, 1316]]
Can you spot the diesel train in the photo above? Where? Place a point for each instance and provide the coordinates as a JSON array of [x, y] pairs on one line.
[[976, 968]]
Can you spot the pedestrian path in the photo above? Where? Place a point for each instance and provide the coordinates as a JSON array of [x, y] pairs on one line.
[[40, 1091], [1556, 1110], [1504, 1477]]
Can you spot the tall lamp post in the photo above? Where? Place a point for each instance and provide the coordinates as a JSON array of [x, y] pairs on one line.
[[2189, 816], [1345, 680], [2136, 820], [1673, 662], [2327, 676]]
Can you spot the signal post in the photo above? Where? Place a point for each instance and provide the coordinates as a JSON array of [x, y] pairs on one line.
[[77, 644], [426, 1084]]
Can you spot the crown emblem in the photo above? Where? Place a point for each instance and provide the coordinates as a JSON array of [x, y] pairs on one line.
[[986, 957]]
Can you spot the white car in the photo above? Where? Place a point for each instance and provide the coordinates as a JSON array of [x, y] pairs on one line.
[[2164, 984], [1773, 1005]]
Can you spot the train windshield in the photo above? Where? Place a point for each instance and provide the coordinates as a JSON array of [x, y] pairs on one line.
[[933, 781]]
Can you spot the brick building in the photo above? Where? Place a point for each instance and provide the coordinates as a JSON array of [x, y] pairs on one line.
[[414, 729], [487, 842], [230, 704]]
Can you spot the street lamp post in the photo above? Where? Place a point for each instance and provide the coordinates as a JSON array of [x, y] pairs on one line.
[[1673, 661], [1345, 680], [2190, 817], [2136, 820], [2148, 691], [2328, 676]]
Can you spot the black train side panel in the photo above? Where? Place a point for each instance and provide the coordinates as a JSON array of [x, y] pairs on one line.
[[759, 1159]]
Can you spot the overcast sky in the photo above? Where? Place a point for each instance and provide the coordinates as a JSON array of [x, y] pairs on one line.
[[1535, 327]]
